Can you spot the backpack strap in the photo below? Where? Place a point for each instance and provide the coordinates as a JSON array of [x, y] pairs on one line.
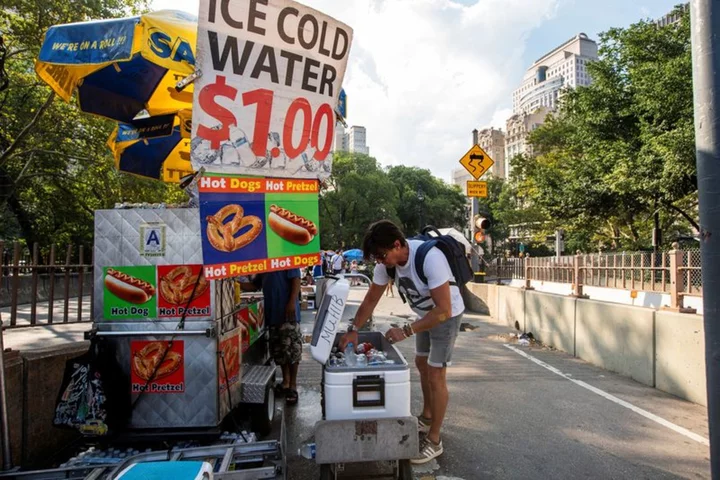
[[420, 256]]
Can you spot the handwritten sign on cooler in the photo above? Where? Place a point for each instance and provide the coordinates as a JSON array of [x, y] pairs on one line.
[[256, 225], [271, 78]]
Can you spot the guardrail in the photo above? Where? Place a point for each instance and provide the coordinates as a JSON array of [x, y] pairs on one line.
[[677, 272], [29, 278]]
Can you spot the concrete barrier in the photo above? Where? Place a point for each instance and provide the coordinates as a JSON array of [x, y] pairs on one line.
[[43, 376], [14, 374], [551, 319], [511, 306], [476, 298], [619, 338], [680, 355]]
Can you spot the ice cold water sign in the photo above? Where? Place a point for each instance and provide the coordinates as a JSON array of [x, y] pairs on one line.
[[265, 104]]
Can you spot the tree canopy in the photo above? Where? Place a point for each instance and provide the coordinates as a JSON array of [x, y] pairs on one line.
[[619, 150], [360, 192], [55, 167]]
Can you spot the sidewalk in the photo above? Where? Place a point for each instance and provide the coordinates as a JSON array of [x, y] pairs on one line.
[[45, 335]]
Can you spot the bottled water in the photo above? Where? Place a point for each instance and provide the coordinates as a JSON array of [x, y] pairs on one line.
[[350, 357], [239, 141], [307, 451], [361, 360]]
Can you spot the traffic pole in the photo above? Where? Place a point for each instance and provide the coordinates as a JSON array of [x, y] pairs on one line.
[[705, 32]]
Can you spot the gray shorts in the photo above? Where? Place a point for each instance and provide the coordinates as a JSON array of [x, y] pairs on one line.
[[438, 343]]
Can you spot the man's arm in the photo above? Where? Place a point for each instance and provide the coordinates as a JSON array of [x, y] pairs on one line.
[[372, 297], [290, 308]]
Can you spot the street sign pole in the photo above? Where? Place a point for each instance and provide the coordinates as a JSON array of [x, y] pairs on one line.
[[705, 29]]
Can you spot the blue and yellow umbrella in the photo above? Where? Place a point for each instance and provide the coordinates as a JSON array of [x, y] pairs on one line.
[[154, 147], [122, 67]]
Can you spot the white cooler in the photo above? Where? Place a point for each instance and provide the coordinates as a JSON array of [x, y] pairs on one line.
[[356, 393]]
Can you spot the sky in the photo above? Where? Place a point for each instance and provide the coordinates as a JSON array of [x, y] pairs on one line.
[[423, 73]]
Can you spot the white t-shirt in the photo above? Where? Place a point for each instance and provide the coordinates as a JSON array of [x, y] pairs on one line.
[[437, 270], [337, 262]]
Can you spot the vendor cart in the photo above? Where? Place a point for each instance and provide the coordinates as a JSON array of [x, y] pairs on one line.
[[215, 343], [366, 410], [190, 356]]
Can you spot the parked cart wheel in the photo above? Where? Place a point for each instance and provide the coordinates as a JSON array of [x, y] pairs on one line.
[[405, 470], [326, 472], [262, 415]]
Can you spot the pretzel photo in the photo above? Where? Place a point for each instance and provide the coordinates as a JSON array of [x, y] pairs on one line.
[[291, 226], [178, 284], [146, 360], [230, 352], [222, 235]]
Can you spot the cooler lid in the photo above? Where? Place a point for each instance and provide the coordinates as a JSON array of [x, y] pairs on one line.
[[329, 316]]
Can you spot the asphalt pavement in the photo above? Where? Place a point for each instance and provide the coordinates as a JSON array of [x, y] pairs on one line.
[[519, 412]]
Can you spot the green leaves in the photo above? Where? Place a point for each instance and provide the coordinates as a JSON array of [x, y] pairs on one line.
[[361, 192], [55, 167], [622, 147]]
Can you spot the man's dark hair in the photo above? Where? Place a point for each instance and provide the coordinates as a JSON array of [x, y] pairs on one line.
[[379, 236]]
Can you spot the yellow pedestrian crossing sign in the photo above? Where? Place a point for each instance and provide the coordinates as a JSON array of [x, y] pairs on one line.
[[476, 162]]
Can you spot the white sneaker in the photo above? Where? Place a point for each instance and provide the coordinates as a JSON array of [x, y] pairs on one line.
[[428, 451], [423, 424]]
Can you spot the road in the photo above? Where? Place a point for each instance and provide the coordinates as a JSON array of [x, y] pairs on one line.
[[530, 412]]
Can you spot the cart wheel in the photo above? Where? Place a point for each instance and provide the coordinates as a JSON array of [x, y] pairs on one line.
[[262, 414], [326, 472], [405, 470]]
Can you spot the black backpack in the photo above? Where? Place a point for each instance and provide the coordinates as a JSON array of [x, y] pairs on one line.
[[453, 250]]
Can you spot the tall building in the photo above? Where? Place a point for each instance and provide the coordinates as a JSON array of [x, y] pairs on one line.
[[673, 17], [492, 140], [542, 89], [340, 143], [563, 67], [357, 140], [518, 128]]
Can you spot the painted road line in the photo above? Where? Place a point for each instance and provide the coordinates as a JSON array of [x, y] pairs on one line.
[[613, 398]]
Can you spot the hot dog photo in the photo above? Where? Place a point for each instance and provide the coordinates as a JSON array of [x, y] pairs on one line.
[[293, 223], [129, 292]]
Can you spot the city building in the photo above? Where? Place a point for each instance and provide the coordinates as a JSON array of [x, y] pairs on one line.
[[518, 127], [563, 67], [492, 140], [542, 89], [673, 17], [356, 140], [340, 143]]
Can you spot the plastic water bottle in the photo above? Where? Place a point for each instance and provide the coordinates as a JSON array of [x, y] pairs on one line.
[[307, 451], [361, 360], [350, 357]]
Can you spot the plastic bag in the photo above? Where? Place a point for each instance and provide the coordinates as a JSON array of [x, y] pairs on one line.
[[81, 402]]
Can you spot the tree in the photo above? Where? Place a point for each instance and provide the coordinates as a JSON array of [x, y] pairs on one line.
[[621, 149], [55, 167], [426, 200], [358, 193]]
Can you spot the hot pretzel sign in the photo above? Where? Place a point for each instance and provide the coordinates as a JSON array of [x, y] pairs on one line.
[[252, 225], [176, 284]]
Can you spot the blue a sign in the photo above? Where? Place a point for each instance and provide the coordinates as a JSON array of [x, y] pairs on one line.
[[152, 239]]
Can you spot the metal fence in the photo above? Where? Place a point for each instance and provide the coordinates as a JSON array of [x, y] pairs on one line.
[[677, 272], [42, 286]]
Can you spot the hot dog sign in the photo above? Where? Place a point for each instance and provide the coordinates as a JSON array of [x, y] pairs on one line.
[[253, 225]]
